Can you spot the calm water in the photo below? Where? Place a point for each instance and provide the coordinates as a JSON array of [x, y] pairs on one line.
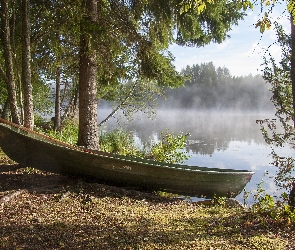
[[217, 139]]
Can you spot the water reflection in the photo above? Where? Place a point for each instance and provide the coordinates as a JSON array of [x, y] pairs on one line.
[[217, 139], [209, 131]]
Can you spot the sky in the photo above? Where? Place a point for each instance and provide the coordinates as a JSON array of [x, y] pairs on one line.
[[242, 53]]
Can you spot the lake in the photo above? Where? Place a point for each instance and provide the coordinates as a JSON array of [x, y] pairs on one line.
[[222, 139]]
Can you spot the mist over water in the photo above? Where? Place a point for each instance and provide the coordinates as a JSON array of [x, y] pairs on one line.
[[222, 139], [211, 88]]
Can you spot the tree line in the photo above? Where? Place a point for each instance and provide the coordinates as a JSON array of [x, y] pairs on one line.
[[208, 87]]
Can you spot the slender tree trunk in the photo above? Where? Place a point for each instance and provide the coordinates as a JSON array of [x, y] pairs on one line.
[[5, 110], [72, 109], [292, 191], [57, 101], [26, 66], [88, 128], [293, 65], [20, 93], [9, 61], [18, 81]]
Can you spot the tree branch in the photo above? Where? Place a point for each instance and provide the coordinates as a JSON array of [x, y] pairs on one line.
[[118, 107]]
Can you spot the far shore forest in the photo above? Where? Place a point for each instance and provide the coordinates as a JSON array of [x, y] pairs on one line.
[[210, 87]]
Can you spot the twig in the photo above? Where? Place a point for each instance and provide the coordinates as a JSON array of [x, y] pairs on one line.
[[118, 107]]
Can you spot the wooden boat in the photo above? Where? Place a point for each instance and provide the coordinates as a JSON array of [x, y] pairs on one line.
[[32, 149]]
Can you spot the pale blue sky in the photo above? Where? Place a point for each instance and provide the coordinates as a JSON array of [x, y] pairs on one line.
[[241, 53]]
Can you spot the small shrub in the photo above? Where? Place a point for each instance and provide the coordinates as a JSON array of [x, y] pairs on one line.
[[42, 124], [170, 148], [68, 132], [118, 142], [267, 205]]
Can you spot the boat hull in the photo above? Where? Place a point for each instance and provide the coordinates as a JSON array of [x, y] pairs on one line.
[[29, 148]]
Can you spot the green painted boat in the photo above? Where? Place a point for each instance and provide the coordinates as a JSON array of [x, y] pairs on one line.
[[32, 149]]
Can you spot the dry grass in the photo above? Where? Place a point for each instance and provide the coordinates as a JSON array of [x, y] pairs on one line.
[[40, 210]]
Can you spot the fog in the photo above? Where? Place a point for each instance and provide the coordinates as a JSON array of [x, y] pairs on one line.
[[210, 88], [212, 106], [250, 94]]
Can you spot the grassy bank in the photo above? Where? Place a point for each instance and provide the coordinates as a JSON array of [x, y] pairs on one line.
[[41, 210]]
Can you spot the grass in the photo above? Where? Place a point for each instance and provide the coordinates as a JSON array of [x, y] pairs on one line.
[[40, 210]]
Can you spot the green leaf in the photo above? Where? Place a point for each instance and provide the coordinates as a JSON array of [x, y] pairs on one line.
[[201, 7]]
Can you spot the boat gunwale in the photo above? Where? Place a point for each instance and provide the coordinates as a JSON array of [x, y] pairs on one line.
[[177, 167]]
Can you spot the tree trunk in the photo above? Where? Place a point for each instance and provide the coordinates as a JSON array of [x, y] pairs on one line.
[[292, 191], [5, 111], [293, 65], [18, 81], [57, 101], [292, 196], [15, 61], [8, 61], [88, 129], [26, 66]]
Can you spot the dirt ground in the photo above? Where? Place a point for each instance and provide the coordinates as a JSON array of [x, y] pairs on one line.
[[40, 210]]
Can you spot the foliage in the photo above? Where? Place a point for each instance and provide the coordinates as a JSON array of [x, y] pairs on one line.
[[267, 8], [267, 205], [40, 121], [264, 23], [170, 148], [42, 102], [216, 16], [68, 132], [280, 131], [118, 142]]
